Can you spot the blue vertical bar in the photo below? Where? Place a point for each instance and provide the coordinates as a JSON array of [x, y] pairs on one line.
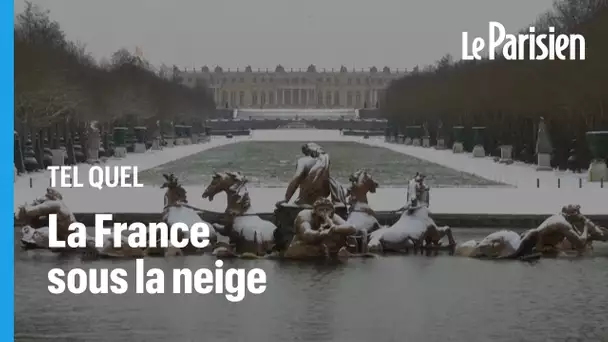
[[7, 331]]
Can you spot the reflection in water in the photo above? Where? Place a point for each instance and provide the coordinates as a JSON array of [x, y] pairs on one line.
[[408, 298]]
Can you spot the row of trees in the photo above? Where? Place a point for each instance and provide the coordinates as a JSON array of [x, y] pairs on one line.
[[509, 97], [57, 79]]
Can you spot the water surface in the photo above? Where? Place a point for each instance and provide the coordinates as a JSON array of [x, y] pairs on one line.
[[397, 298]]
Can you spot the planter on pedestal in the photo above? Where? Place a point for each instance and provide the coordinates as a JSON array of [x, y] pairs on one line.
[[458, 133], [400, 139], [478, 141], [120, 142], [416, 135], [139, 145], [29, 157], [598, 146]]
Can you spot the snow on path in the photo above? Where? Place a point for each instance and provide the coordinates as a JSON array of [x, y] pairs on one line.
[[517, 174]]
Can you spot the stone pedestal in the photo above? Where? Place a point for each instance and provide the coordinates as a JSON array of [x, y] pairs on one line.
[[93, 151], [426, 142], [506, 154], [416, 142], [458, 147], [156, 145], [120, 152], [408, 141], [598, 171], [58, 157], [543, 162], [139, 147], [401, 139], [598, 146], [170, 142], [440, 144], [479, 151]]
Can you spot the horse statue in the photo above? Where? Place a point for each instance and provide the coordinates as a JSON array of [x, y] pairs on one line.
[[250, 235], [360, 215], [177, 210], [319, 233], [558, 235], [415, 227]]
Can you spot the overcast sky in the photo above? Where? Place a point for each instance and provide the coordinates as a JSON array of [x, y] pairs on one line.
[[294, 33]]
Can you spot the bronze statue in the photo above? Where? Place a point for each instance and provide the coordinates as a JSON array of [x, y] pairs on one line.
[[361, 215], [50, 203], [558, 234], [313, 179], [319, 232], [417, 194], [177, 210], [248, 232]]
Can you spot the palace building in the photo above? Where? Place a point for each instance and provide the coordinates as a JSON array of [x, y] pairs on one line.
[[281, 88]]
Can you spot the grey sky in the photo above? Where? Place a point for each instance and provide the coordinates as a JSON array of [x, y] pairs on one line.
[[294, 33]]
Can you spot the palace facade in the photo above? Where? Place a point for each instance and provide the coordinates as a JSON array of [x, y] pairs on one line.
[[281, 88]]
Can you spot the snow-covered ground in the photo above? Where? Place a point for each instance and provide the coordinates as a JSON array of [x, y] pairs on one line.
[[524, 198], [517, 174], [32, 185]]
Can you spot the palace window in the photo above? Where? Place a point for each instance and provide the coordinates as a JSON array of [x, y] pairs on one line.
[[254, 98], [319, 98], [350, 81], [262, 98], [294, 81], [241, 98], [349, 99], [224, 96], [271, 98], [303, 80], [358, 81], [358, 99], [328, 98], [368, 97], [336, 98], [319, 80], [255, 80]]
